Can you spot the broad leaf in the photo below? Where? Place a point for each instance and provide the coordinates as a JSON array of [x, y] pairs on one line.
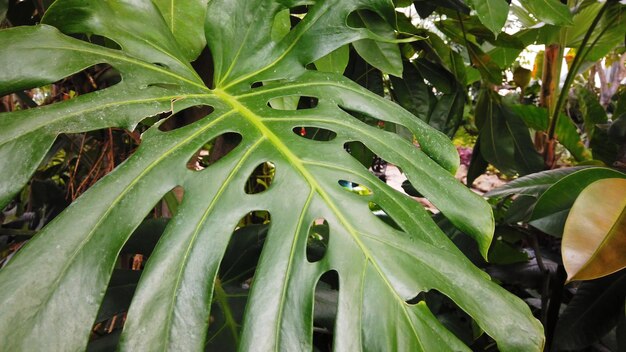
[[504, 139], [566, 131], [549, 11], [185, 19], [594, 238], [535, 184], [62, 274], [553, 206], [492, 13], [385, 56], [412, 93]]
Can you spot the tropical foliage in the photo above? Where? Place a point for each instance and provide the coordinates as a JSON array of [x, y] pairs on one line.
[[223, 163]]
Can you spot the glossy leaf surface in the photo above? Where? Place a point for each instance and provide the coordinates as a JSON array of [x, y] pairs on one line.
[[553, 206], [535, 184], [66, 268], [594, 239]]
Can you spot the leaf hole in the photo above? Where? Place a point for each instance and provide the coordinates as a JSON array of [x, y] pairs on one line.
[[130, 263], [355, 188], [315, 133], [261, 178], [287, 19], [293, 102], [356, 19], [161, 65], [365, 118], [235, 277], [214, 150], [450, 315], [36, 93], [325, 310], [383, 216], [103, 41], [415, 300], [256, 85], [317, 240], [181, 118], [375, 164]]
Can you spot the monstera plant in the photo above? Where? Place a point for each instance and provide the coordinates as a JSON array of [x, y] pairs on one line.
[[51, 291]]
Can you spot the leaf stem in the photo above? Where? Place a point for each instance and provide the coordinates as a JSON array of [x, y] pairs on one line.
[[222, 300]]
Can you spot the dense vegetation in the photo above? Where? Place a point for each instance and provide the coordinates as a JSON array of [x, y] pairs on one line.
[[210, 175]]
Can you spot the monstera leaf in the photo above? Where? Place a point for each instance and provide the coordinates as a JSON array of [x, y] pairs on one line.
[[50, 292]]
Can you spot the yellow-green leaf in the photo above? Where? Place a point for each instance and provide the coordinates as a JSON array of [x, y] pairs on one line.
[[594, 241]]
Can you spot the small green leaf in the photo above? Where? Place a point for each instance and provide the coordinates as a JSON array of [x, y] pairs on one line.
[[281, 25], [336, 62], [492, 13]]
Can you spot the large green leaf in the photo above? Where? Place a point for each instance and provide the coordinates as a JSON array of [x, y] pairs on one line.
[[504, 139], [62, 274], [385, 56], [535, 184], [553, 206], [549, 11]]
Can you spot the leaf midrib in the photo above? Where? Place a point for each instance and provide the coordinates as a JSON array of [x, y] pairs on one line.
[[196, 232], [298, 164]]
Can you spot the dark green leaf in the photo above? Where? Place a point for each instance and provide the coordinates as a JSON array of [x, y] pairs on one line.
[[385, 56], [566, 131], [592, 313], [502, 253], [412, 93], [593, 113], [488, 68], [553, 205], [504, 139], [535, 184], [447, 115], [437, 75], [478, 164]]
